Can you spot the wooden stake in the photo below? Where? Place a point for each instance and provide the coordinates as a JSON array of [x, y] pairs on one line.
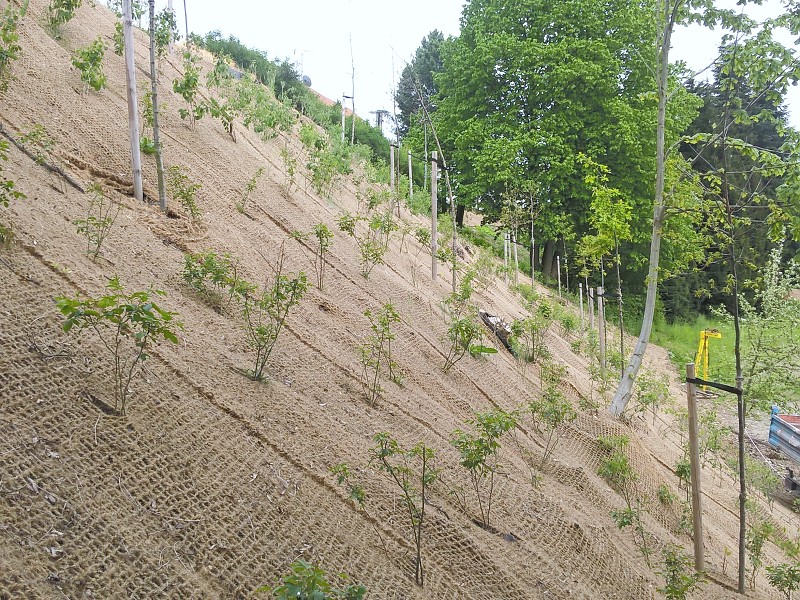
[[434, 190], [601, 330], [391, 169], [133, 102], [558, 266], [410, 179], [580, 293], [694, 458], [162, 192], [505, 257], [516, 259], [590, 302]]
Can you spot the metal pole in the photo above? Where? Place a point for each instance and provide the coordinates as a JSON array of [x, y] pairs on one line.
[[558, 266], [434, 190], [694, 458]]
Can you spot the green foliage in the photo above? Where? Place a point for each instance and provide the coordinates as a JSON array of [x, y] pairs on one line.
[[266, 310], [223, 111], [220, 272], [182, 189], [166, 31], [757, 534], [679, 576], [290, 169], [309, 582], [376, 351], [8, 192], [59, 13], [324, 238], [412, 472], [666, 495], [9, 40], [128, 325], [344, 477], [89, 61], [324, 164], [187, 88], [118, 38], [529, 333], [100, 217], [651, 392], [372, 240], [784, 578], [479, 453], [147, 146], [249, 188], [464, 332], [552, 410]]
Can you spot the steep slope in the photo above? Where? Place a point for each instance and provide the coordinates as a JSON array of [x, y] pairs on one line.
[[214, 484]]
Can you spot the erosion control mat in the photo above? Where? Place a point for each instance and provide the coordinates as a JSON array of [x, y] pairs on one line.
[[214, 484]]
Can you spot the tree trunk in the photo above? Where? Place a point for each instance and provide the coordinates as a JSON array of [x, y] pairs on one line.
[[460, 215], [133, 102], [162, 194], [623, 393], [548, 258]]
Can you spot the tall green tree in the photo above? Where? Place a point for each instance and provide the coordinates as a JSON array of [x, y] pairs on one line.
[[427, 62]]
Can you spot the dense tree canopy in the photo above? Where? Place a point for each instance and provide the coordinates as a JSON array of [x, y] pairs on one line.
[[419, 73]]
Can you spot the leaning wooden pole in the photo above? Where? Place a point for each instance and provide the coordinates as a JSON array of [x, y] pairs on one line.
[[434, 210], [694, 458], [162, 193], [133, 102]]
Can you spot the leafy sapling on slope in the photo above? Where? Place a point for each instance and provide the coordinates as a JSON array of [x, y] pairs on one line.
[[59, 13], [9, 40], [464, 333], [310, 582], [412, 472], [101, 214], [324, 238], [89, 61], [376, 351], [8, 192], [480, 454], [129, 325], [266, 309]]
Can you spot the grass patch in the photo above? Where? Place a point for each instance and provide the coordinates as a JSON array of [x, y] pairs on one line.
[[682, 338]]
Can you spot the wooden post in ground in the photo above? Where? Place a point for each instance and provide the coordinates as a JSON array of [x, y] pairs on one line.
[[590, 302], [516, 259], [410, 179], [133, 102], [505, 257], [601, 329], [558, 267], [391, 167], [694, 458], [580, 294], [434, 190], [162, 192], [343, 111]]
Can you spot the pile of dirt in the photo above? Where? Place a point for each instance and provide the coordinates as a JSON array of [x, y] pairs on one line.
[[213, 484]]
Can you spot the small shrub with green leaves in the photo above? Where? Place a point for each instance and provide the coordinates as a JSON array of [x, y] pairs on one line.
[[651, 392], [215, 276], [785, 578], [757, 534], [59, 13], [480, 454], [89, 61], [464, 332], [411, 470], [528, 334], [290, 169], [376, 352], [309, 582], [182, 189], [8, 193], [266, 310], [101, 215], [39, 143], [343, 475], [249, 188], [323, 236], [224, 111], [166, 31], [9, 40], [679, 575], [372, 240], [665, 495], [552, 410], [128, 324], [188, 86]]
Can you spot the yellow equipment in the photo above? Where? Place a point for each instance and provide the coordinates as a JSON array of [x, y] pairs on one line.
[[702, 351]]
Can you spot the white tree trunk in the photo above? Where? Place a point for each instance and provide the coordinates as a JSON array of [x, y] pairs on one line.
[[162, 194], [133, 103]]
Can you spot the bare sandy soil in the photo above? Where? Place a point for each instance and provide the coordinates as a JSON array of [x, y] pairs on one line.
[[213, 484]]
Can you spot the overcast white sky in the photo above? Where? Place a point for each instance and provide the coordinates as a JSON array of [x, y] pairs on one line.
[[316, 34]]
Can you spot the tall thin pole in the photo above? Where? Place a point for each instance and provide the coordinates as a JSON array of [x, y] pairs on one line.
[[343, 97], [133, 102], [353, 93], [505, 257], [516, 258], [601, 330], [391, 170], [171, 41], [410, 178], [558, 266], [425, 179], [434, 190], [186, 22], [580, 293], [694, 458], [162, 193], [590, 302]]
